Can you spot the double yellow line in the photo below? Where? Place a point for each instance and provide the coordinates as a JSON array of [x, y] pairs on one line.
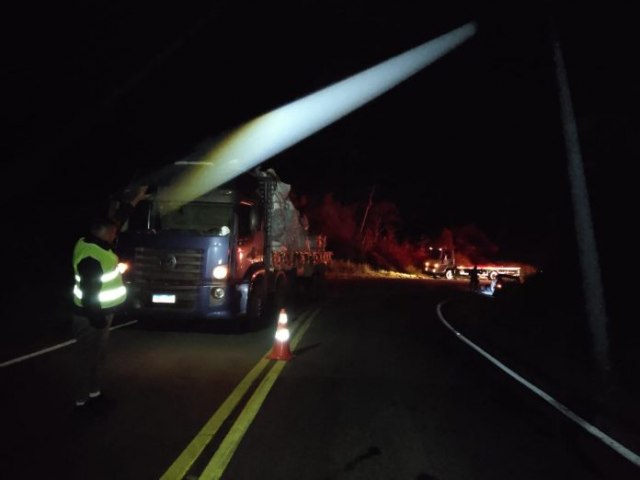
[[225, 451]]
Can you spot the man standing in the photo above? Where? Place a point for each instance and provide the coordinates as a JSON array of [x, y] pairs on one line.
[[98, 291], [474, 281]]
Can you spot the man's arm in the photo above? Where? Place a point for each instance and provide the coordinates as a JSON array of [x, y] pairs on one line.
[[130, 200]]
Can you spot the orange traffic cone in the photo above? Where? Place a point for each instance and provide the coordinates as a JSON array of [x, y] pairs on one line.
[[280, 350]]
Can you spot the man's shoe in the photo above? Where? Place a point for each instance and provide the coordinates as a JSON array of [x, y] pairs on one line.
[[101, 403]]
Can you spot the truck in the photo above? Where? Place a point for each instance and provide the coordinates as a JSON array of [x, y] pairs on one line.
[[441, 262], [235, 252]]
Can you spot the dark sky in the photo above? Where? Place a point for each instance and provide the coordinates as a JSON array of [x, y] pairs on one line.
[[97, 90]]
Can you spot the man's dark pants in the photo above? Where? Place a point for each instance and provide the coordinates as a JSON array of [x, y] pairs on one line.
[[90, 356]]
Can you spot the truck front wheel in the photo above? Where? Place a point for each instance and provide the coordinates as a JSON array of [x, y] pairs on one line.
[[449, 275], [256, 302]]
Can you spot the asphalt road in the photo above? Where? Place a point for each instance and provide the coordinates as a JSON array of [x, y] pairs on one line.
[[378, 388]]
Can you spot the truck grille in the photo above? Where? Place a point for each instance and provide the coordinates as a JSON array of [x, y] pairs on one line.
[[153, 267]]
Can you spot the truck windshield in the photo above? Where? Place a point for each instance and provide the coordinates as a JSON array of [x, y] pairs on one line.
[[435, 254], [213, 218]]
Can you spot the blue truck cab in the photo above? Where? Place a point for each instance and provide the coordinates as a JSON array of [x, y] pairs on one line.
[[213, 257]]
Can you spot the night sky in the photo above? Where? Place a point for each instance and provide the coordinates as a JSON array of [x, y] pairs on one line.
[[97, 90]]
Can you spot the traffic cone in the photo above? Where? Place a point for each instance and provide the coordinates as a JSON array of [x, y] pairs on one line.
[[281, 350]]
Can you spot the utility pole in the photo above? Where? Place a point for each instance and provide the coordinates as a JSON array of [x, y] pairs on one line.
[[587, 251]]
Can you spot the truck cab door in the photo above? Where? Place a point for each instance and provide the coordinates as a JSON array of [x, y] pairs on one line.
[[250, 238]]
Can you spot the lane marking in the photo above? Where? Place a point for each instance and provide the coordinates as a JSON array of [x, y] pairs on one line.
[[600, 435], [222, 457], [123, 325], [35, 354], [300, 331], [53, 348], [183, 463], [185, 460], [218, 463]]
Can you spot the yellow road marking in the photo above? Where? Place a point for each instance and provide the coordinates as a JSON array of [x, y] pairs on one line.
[[302, 329], [222, 457], [183, 463]]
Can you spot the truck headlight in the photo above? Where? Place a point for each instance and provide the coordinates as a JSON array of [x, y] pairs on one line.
[[220, 272]]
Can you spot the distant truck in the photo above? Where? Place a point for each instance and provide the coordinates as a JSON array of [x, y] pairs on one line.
[[231, 253], [441, 262]]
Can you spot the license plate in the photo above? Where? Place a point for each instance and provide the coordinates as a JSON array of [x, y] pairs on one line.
[[163, 298]]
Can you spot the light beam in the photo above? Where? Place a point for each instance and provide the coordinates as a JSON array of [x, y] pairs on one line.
[[271, 133]]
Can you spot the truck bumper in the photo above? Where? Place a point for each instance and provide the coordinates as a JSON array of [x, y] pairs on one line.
[[202, 302]]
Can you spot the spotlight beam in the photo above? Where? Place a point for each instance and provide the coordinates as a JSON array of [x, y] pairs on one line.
[[271, 133]]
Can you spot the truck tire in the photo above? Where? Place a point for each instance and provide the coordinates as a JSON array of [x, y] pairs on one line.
[[256, 303], [449, 274], [492, 275]]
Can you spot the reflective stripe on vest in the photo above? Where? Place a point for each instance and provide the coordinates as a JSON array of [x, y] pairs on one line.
[[112, 292], [105, 295]]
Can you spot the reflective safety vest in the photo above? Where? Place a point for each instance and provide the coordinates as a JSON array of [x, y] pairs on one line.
[[113, 292]]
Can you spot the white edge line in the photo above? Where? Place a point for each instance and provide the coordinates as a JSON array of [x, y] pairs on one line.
[[51, 349], [124, 325], [600, 435], [35, 354]]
